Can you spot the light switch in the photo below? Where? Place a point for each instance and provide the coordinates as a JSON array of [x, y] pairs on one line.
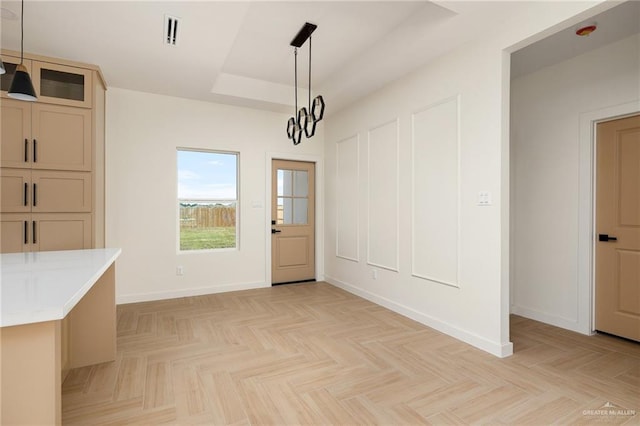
[[484, 198]]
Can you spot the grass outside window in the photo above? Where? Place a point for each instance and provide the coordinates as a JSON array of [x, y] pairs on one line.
[[207, 238]]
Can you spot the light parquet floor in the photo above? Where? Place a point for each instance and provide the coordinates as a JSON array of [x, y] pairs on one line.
[[313, 354]]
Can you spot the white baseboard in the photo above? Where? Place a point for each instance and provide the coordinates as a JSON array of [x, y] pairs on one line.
[[550, 319], [494, 348], [173, 294]]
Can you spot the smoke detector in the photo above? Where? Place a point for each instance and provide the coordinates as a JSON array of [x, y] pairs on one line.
[[585, 31]]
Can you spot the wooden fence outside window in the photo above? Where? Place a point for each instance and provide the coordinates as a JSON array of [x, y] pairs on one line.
[[207, 216]]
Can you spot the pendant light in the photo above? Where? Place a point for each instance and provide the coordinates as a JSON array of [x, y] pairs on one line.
[[21, 87], [316, 108], [306, 118]]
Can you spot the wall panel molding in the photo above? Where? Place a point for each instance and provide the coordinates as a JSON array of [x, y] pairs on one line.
[[435, 193], [383, 226], [347, 198]]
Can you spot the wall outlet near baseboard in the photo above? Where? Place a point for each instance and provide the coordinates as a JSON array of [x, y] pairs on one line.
[[179, 271]]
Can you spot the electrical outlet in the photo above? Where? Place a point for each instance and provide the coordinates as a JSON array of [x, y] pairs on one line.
[[179, 271]]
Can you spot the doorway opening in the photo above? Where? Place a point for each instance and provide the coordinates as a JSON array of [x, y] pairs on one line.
[[617, 227], [293, 221]]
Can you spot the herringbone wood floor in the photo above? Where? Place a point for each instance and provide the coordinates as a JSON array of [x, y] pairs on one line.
[[314, 354]]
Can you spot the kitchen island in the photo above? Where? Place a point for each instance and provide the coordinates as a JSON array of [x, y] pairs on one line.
[[57, 312]]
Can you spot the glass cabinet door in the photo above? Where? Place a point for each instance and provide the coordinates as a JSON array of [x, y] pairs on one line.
[[10, 64], [62, 85]]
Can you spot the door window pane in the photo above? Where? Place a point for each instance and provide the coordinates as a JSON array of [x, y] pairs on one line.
[[288, 211], [285, 183], [285, 211], [301, 183], [7, 78], [300, 211], [293, 190]]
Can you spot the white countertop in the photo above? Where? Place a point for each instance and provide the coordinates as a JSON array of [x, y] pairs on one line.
[[45, 286]]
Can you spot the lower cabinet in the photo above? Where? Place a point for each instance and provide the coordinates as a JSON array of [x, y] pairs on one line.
[[24, 232]]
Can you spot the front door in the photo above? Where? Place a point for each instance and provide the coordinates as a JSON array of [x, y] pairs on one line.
[[292, 221], [618, 227]]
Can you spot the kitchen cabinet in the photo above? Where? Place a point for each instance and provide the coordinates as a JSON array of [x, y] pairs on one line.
[[52, 157], [53, 82], [37, 191], [25, 232], [42, 136]]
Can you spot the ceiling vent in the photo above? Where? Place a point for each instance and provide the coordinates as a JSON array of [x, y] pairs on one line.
[[171, 24]]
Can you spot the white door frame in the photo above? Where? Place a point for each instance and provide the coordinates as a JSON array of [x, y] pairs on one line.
[[319, 229], [586, 208]]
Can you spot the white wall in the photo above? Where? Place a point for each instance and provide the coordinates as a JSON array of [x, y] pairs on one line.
[[552, 157], [143, 132], [440, 137], [443, 115]]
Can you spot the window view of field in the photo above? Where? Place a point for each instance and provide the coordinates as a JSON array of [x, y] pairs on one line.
[[207, 197], [205, 227]]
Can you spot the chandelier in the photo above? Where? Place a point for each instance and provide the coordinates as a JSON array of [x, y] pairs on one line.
[[306, 118]]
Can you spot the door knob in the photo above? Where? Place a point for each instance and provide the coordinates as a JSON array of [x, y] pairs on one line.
[[606, 237], [275, 231]]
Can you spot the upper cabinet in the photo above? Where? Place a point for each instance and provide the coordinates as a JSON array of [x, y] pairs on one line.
[[54, 83], [15, 127], [10, 64], [42, 136], [61, 138], [62, 85]]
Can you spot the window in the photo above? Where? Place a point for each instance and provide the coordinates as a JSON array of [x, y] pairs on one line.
[[293, 197], [207, 199]]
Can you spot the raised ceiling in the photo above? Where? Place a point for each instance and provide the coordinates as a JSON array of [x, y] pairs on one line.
[[612, 25], [238, 52]]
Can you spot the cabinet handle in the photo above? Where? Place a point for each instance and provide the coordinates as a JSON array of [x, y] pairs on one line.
[[33, 231], [26, 188], [35, 151], [26, 150], [26, 233], [35, 201]]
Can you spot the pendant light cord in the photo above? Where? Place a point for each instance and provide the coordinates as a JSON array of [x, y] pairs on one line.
[[295, 81], [309, 75], [22, 34]]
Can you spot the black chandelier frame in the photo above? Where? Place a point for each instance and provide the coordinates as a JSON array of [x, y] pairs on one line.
[[305, 119]]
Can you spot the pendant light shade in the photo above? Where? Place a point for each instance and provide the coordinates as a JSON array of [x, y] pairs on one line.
[[21, 86], [2, 70]]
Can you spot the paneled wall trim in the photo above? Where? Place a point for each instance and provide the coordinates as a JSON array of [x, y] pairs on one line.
[[435, 197], [383, 196], [347, 205]]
